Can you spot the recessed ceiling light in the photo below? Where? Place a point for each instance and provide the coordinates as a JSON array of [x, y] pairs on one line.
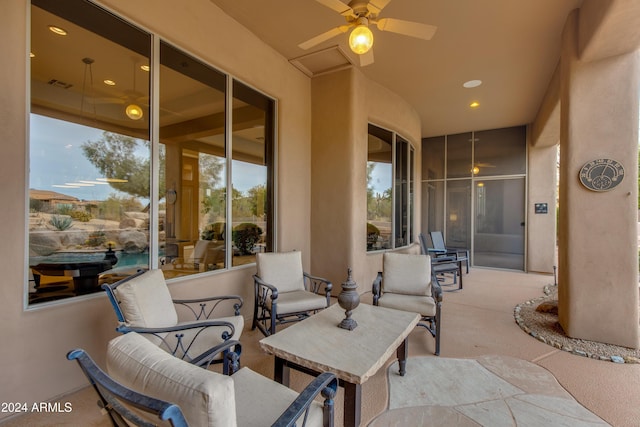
[[472, 83], [57, 30], [474, 104], [109, 82]]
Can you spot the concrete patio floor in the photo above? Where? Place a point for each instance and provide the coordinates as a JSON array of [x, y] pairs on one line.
[[477, 322]]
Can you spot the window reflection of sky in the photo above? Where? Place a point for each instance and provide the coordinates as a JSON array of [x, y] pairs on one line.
[[56, 158], [380, 177]]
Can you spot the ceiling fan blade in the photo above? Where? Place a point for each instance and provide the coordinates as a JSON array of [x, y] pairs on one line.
[[376, 6], [338, 6], [366, 58], [407, 28], [324, 37]]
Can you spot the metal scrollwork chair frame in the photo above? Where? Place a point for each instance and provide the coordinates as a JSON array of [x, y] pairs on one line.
[[188, 340]]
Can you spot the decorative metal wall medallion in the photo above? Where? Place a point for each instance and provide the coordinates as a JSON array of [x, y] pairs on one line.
[[601, 174]]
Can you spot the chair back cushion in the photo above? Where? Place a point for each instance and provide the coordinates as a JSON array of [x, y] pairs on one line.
[[206, 398], [199, 251], [282, 270], [145, 301], [407, 274]]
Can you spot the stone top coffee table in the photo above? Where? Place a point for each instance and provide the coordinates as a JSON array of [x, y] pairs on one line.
[[317, 344]]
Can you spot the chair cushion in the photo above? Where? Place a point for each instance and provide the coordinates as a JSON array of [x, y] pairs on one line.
[[282, 270], [407, 274], [423, 305], [200, 251], [205, 397], [146, 302], [260, 401], [295, 301]]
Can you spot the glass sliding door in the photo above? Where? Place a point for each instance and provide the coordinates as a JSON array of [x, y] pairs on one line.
[[458, 217], [499, 223]]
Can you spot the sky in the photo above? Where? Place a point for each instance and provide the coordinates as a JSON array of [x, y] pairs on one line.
[[48, 168]]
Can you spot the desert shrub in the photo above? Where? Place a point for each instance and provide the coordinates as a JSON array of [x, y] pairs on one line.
[[245, 235], [80, 215], [373, 233], [61, 222]]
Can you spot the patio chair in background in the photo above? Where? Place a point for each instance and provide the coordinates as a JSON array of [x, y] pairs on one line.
[[443, 264], [440, 249], [284, 292], [143, 304], [407, 282]]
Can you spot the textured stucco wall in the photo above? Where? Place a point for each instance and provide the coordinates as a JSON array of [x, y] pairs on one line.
[[343, 104]]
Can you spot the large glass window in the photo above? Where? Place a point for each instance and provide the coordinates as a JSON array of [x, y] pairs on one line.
[[93, 161], [89, 150], [390, 177], [192, 190], [250, 175]]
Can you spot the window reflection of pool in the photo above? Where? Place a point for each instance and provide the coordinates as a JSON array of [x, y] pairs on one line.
[[63, 274], [125, 259]]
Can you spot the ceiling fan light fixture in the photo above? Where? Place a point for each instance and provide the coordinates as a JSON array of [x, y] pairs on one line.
[[361, 39], [133, 111]]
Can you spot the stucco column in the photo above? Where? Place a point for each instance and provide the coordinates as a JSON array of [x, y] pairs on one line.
[[598, 251], [541, 237]]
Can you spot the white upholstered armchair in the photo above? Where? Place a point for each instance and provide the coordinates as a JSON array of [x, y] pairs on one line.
[[408, 283], [284, 292], [138, 370]]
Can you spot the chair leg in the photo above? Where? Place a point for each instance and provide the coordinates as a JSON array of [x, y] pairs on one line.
[[437, 320], [274, 319]]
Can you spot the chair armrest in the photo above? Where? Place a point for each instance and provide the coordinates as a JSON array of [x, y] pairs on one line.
[[315, 282], [326, 383], [443, 259], [268, 288], [230, 351], [181, 346], [202, 312], [436, 290], [376, 288]]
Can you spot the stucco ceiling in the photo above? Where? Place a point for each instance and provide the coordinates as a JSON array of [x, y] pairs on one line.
[[513, 46]]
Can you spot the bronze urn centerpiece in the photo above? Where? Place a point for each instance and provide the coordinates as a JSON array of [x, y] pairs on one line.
[[349, 299]]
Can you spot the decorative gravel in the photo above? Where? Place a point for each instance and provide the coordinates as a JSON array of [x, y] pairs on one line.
[[545, 328]]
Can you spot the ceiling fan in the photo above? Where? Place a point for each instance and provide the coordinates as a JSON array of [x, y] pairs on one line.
[[359, 14]]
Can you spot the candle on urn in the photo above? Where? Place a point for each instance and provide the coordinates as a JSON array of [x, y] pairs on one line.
[[349, 299]]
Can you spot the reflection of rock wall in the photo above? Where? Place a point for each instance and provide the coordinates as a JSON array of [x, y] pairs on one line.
[[133, 241], [131, 235], [43, 243]]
